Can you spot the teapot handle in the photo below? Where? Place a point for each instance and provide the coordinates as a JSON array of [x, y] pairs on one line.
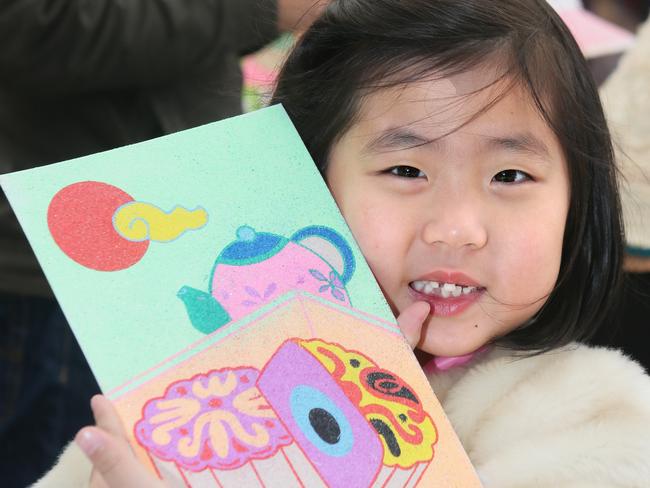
[[334, 238]]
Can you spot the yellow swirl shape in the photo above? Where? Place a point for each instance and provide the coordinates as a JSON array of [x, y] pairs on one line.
[[251, 402], [222, 424], [406, 431], [140, 221], [173, 413], [215, 386], [217, 420]]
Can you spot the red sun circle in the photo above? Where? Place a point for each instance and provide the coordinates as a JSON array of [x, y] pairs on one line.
[[80, 219]]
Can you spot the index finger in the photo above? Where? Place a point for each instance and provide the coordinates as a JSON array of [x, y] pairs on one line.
[[411, 319]]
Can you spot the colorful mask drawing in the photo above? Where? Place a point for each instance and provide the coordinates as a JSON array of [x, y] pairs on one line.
[[259, 267], [344, 419], [101, 227]]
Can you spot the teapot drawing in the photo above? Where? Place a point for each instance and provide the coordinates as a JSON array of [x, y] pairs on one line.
[[258, 267]]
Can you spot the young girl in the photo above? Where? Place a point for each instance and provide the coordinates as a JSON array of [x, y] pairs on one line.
[[465, 145]]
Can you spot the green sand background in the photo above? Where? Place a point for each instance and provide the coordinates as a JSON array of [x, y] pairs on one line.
[[252, 169]]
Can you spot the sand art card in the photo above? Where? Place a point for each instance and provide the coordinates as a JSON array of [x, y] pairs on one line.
[[225, 308]]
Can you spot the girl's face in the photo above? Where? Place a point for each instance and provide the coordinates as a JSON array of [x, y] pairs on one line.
[[468, 219]]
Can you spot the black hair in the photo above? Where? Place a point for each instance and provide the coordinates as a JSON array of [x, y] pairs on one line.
[[360, 46]]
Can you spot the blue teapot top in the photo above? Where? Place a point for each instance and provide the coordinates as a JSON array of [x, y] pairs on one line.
[[251, 247]]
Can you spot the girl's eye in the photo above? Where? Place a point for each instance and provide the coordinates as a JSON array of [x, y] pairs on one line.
[[406, 172], [511, 176]]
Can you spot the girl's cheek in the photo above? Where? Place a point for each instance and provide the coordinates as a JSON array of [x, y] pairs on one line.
[[531, 263], [369, 228], [378, 239]]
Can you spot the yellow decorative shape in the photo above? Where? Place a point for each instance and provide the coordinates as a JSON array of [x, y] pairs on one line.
[[215, 387], [251, 402], [174, 413], [216, 420], [139, 221]]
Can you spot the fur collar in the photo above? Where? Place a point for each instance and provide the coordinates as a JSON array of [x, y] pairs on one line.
[[572, 417]]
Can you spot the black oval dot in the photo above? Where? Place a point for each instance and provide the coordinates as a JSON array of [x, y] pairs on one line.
[[354, 363], [388, 385], [325, 425]]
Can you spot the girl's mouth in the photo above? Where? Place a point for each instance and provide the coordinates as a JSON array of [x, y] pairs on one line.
[[444, 290], [446, 299]]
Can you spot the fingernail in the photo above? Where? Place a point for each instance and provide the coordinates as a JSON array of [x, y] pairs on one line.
[[93, 403], [88, 441], [427, 311]]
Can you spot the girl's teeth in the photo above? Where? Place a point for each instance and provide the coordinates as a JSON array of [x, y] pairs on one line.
[[430, 286], [445, 289]]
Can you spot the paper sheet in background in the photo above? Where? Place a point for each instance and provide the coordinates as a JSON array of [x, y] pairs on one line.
[[224, 307], [595, 35]]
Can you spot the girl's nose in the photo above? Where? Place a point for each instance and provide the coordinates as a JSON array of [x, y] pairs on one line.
[[458, 224]]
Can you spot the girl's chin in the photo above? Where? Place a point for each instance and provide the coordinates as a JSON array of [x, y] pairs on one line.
[[446, 338]]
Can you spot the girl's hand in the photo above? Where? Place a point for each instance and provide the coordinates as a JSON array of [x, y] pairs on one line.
[[411, 320], [107, 447]]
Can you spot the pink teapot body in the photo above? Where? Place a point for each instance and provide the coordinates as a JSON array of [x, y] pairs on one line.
[[260, 267]]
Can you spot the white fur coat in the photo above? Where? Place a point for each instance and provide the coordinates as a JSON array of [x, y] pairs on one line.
[[573, 418]]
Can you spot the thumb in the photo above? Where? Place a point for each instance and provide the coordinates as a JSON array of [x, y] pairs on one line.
[[113, 459], [109, 452], [411, 319]]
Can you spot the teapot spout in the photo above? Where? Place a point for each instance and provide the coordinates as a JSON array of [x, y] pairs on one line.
[[205, 313]]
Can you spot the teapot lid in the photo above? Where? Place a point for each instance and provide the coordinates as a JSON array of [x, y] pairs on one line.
[[251, 247]]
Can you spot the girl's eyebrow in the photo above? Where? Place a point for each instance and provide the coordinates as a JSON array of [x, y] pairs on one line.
[[399, 138], [524, 142], [396, 139]]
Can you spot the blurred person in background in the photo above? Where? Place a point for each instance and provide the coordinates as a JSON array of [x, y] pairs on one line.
[[78, 78], [626, 13], [625, 94]]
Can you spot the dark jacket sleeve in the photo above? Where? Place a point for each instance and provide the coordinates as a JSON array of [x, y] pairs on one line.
[[77, 45]]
